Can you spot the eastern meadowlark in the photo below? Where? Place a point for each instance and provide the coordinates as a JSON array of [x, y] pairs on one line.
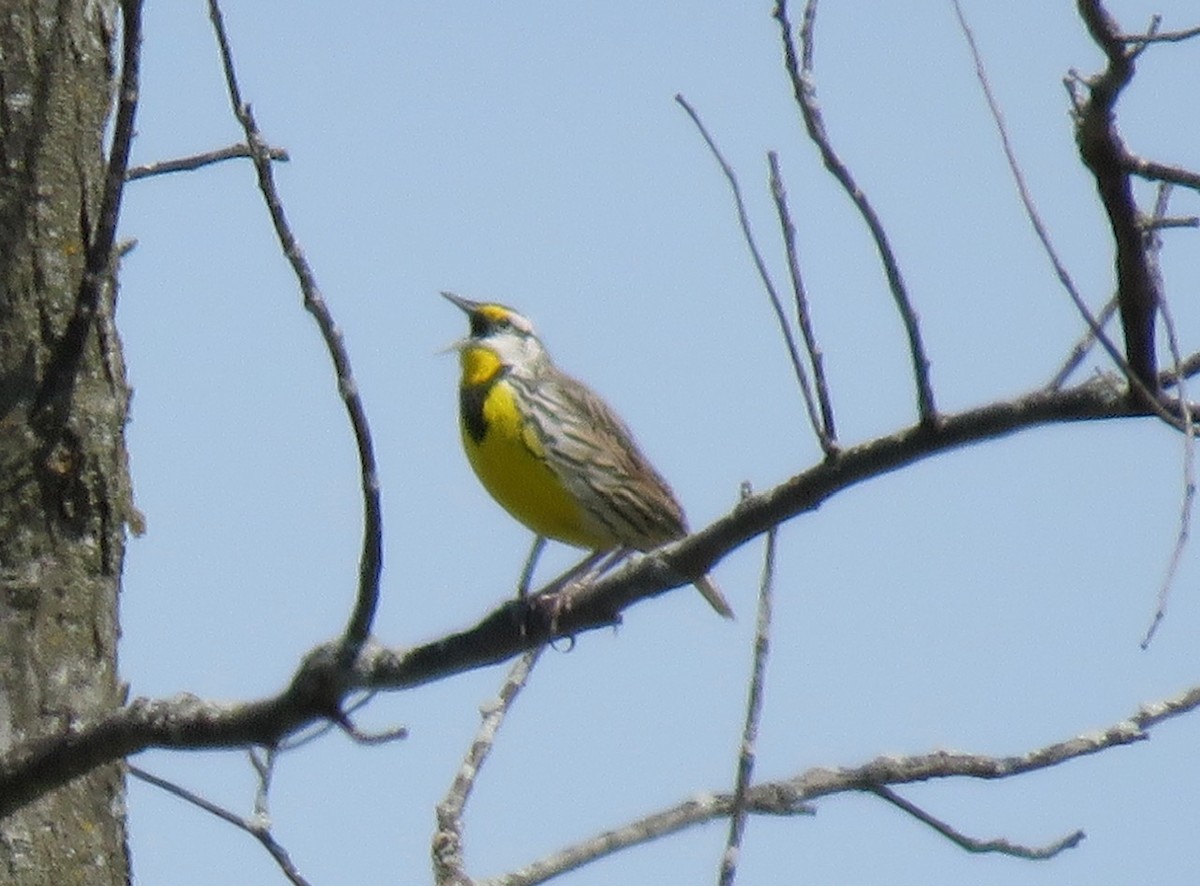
[[551, 452]]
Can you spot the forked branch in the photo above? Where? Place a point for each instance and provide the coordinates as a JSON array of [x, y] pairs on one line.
[[802, 79], [1104, 154]]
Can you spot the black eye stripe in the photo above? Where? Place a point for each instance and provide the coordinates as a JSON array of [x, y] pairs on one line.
[[483, 326]]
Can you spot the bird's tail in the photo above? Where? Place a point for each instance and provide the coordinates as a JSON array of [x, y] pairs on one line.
[[713, 595]]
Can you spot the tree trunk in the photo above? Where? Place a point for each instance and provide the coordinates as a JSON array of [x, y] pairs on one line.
[[65, 497]]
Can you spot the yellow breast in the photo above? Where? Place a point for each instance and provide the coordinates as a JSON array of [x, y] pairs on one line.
[[509, 460]]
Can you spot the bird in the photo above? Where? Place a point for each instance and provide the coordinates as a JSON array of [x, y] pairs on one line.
[[554, 454]]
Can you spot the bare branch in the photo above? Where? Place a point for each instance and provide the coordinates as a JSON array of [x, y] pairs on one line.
[[1150, 715], [361, 736], [1161, 172], [759, 264], [371, 559], [447, 842], [806, 98], [696, 810], [1104, 154], [826, 429], [1157, 36], [196, 161], [745, 770], [518, 625], [794, 796], [1176, 221], [263, 762], [256, 827], [972, 844], [320, 685]]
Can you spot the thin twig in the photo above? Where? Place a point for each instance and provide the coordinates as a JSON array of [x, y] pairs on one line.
[[447, 847], [196, 161], [1031, 212], [263, 762], [826, 430], [361, 736], [1159, 36], [745, 769], [1153, 251], [323, 727], [759, 264], [254, 827], [1082, 347], [972, 844], [1175, 221], [1155, 27], [806, 98], [1161, 172], [371, 560]]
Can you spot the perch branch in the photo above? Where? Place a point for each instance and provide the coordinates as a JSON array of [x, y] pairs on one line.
[[320, 685]]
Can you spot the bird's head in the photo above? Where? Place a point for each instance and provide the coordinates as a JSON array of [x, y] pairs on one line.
[[499, 338]]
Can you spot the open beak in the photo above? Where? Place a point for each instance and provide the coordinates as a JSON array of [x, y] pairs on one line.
[[468, 307], [464, 304]]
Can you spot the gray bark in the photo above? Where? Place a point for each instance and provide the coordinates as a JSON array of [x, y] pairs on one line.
[[64, 500]]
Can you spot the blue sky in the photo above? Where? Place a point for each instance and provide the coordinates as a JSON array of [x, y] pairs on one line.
[[988, 600]]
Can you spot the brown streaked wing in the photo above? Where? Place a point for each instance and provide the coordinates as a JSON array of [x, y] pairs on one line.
[[595, 455]]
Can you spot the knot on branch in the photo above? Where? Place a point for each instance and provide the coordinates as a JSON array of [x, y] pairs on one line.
[[320, 683]]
